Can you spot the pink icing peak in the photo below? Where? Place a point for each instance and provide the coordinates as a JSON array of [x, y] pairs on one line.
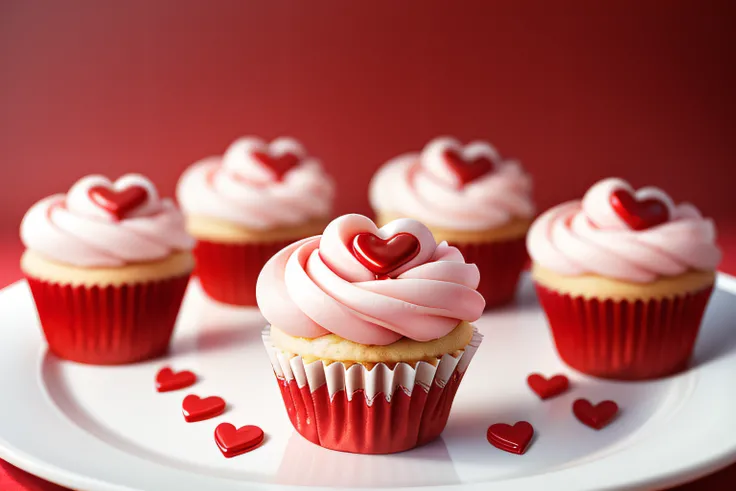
[[474, 189], [591, 237], [77, 229], [258, 185], [319, 286]]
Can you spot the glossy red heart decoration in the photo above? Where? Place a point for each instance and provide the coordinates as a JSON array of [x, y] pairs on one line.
[[232, 442], [121, 202], [197, 409], [639, 214], [383, 256], [468, 170], [280, 165], [513, 439], [547, 387], [168, 380], [596, 416]]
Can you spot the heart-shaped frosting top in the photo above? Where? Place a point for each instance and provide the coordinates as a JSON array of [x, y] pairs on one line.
[[133, 195], [454, 186], [254, 160], [625, 234], [370, 285], [100, 223], [450, 161], [259, 185]]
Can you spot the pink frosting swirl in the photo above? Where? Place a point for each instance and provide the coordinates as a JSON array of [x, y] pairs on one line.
[[317, 286], [243, 188], [75, 229], [425, 187], [590, 236]]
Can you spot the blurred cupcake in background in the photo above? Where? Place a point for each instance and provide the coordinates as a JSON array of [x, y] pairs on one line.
[[107, 264], [247, 205], [370, 333], [468, 196], [624, 277]]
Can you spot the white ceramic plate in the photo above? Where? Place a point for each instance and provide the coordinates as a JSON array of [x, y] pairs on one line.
[[105, 428]]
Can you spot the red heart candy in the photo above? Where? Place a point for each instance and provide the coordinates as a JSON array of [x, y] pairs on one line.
[[383, 256], [121, 202], [512, 439], [279, 165], [198, 409], [167, 379], [232, 442], [596, 416], [639, 214], [468, 170], [546, 388]]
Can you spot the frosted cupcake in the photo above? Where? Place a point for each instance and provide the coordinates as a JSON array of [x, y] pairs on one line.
[[468, 196], [247, 205], [107, 264], [624, 277], [370, 333]]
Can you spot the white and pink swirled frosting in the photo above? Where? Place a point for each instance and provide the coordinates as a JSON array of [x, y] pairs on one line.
[[620, 233], [368, 285], [99, 223], [455, 187], [258, 185]]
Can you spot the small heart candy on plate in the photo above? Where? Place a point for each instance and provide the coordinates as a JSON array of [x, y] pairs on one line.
[[168, 380], [548, 387], [512, 439], [596, 416], [196, 408], [235, 441]]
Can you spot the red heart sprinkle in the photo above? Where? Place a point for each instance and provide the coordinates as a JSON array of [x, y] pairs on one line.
[[168, 380], [121, 202], [383, 256], [512, 439], [279, 165], [639, 214], [546, 388], [465, 169], [232, 442], [198, 409], [596, 416]]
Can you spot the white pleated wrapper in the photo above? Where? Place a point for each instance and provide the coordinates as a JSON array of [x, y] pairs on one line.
[[381, 379]]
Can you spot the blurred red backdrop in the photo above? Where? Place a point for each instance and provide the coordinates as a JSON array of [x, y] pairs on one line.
[[577, 90]]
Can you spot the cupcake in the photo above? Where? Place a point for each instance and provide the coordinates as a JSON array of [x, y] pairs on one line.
[[107, 264], [370, 333], [624, 277], [246, 206], [468, 196]]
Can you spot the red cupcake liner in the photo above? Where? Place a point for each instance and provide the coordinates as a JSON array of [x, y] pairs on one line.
[[625, 340], [500, 264], [228, 272], [392, 418], [108, 325]]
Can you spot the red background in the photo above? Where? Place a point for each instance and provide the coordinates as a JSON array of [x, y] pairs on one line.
[[577, 90]]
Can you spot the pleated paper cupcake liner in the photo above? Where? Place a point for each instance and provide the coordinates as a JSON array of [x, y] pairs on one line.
[[622, 339], [500, 264], [228, 272], [377, 411], [108, 325]]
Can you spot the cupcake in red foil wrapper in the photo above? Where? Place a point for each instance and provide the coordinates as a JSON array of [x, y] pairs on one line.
[[624, 277], [107, 264], [370, 333], [248, 204], [470, 197], [228, 271], [500, 264], [371, 411]]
